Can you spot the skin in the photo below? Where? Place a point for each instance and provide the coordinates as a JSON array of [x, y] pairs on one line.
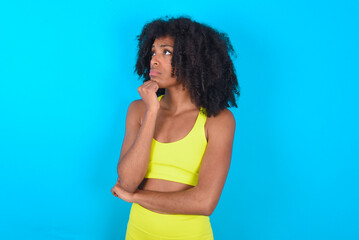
[[173, 118]]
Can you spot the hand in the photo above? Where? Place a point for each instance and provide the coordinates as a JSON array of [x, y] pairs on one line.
[[147, 92], [119, 192]]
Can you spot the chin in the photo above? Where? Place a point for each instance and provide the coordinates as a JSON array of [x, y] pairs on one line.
[[155, 79]]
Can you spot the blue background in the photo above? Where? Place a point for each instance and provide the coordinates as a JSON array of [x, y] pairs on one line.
[[66, 80]]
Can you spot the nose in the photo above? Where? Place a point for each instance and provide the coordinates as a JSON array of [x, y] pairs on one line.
[[154, 61]]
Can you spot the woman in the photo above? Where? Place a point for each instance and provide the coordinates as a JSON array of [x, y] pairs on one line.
[[178, 142]]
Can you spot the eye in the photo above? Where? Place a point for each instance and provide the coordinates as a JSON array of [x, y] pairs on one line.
[[152, 53], [166, 52]]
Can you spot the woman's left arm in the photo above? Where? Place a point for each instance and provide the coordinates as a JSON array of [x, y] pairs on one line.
[[203, 198]]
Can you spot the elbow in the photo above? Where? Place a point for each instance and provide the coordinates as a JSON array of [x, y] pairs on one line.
[[128, 186], [208, 205], [129, 181], [126, 182], [208, 208], [206, 201]]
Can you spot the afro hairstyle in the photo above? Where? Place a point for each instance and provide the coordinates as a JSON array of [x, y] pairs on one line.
[[201, 57]]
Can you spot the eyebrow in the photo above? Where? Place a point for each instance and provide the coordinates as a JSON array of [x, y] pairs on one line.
[[163, 45]]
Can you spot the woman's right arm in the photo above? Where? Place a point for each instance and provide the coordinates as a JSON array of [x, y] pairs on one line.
[[136, 147]]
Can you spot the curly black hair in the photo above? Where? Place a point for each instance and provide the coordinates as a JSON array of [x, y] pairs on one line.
[[201, 57]]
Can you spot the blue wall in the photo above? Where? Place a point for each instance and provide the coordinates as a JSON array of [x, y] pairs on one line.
[[66, 80]]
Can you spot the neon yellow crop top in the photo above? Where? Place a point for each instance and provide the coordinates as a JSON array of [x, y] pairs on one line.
[[179, 161]]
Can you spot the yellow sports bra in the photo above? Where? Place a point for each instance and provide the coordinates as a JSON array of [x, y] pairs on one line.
[[179, 161]]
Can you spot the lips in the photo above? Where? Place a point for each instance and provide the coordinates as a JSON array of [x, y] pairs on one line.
[[154, 72]]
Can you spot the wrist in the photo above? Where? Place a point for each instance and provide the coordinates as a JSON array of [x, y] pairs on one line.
[[136, 197], [152, 111]]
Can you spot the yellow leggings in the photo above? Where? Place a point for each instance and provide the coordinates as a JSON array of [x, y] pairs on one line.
[[144, 224]]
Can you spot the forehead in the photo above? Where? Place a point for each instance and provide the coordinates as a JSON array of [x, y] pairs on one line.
[[163, 41]]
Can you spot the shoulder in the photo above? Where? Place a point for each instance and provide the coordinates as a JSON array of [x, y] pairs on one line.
[[224, 122], [223, 117], [136, 106], [138, 103], [136, 110]]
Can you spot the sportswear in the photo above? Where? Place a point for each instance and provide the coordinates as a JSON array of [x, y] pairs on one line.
[[179, 161]]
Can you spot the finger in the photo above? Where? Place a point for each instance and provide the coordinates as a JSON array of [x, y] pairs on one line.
[[147, 83], [153, 86], [156, 87], [114, 193]]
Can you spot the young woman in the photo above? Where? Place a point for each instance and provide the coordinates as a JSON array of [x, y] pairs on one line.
[[178, 142]]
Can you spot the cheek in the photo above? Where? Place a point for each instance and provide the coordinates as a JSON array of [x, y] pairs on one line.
[[169, 68]]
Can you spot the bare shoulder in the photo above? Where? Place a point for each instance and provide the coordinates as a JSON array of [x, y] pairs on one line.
[[137, 104], [224, 122], [136, 110], [224, 117]]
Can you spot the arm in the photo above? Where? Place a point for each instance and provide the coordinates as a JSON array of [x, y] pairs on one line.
[[203, 198], [136, 147]]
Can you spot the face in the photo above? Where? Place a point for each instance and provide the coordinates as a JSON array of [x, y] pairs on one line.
[[160, 65]]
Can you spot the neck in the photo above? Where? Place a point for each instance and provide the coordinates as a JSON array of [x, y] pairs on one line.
[[177, 100]]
